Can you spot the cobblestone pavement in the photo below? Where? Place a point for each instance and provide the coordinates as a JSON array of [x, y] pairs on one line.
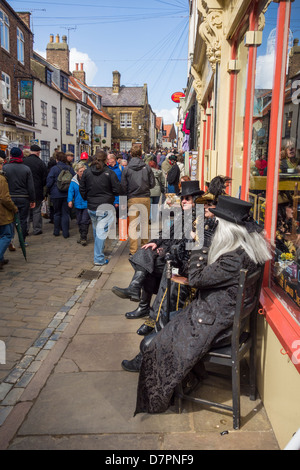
[[63, 387]]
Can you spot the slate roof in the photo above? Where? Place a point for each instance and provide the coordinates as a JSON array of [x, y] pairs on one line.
[[128, 96]]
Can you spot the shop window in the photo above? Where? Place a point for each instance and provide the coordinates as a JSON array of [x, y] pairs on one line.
[[284, 202], [285, 274]]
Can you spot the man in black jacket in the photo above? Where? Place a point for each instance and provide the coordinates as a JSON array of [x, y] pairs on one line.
[[39, 173], [99, 186], [21, 186], [136, 182]]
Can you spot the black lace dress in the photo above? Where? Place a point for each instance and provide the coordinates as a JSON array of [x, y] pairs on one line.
[[205, 322]]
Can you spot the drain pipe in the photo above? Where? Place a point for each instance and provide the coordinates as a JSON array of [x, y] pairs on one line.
[[294, 443]]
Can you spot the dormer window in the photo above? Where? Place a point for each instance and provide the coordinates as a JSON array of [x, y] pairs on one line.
[[63, 83], [48, 77]]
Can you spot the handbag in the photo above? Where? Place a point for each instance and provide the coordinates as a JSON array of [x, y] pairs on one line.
[[45, 209]]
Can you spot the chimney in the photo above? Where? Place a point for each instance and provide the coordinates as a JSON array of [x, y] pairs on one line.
[[57, 53], [25, 17], [116, 82], [79, 74]]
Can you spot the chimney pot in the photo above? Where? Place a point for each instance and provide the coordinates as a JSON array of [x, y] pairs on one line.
[[76, 66], [51, 37], [57, 38], [81, 66]]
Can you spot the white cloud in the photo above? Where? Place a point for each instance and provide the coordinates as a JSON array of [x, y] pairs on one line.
[[90, 68], [170, 116]]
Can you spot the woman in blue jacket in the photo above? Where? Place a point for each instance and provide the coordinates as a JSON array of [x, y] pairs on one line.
[[82, 215], [61, 216]]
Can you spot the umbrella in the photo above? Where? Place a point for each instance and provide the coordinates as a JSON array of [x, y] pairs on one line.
[[20, 234]]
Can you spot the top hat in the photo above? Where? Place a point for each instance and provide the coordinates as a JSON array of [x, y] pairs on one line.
[[236, 211], [190, 188]]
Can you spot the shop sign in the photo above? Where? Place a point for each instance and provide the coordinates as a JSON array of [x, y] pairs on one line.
[[26, 89], [176, 96]]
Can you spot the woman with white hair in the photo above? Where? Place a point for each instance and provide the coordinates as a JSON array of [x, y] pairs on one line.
[[238, 243]]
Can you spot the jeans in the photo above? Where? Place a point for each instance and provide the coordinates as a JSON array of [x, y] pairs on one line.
[[61, 216], [101, 221], [6, 235]]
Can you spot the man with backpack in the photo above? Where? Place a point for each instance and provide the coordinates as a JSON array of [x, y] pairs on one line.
[[58, 182]]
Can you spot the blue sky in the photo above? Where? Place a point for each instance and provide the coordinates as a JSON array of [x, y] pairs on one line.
[[146, 41]]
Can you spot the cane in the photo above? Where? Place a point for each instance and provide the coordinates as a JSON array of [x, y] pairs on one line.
[[168, 276]]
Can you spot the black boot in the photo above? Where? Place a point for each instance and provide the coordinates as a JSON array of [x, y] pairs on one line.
[[134, 365], [133, 291], [147, 327], [143, 308]]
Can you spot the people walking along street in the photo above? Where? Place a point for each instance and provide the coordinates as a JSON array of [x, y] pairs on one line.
[[21, 186], [39, 173], [99, 186], [136, 182], [7, 212]]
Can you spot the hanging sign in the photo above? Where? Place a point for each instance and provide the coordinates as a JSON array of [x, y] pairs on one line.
[[26, 89], [176, 96]]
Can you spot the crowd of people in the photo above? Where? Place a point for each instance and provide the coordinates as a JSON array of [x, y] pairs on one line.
[[63, 189]]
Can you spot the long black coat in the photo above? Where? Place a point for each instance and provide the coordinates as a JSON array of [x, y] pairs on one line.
[[205, 322]]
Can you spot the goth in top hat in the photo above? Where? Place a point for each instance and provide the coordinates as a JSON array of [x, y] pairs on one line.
[[236, 211], [190, 188]]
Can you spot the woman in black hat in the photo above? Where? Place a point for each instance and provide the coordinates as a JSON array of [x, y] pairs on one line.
[[237, 243]]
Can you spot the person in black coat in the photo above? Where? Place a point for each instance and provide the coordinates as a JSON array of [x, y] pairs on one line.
[[21, 186], [61, 216], [207, 321], [99, 186], [39, 173]]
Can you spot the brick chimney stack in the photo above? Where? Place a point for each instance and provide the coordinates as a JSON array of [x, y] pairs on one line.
[[116, 82], [79, 74], [57, 53]]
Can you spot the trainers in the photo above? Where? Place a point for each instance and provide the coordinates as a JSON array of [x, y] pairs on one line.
[[102, 264]]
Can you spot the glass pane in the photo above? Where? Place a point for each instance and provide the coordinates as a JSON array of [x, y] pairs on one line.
[[237, 162], [286, 263], [261, 112]]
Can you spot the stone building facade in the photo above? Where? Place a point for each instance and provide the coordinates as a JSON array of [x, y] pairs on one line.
[[130, 111]]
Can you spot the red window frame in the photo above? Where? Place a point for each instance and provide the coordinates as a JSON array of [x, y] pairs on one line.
[[282, 323]]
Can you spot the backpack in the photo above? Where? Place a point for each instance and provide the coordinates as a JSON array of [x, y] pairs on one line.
[[63, 180], [173, 174]]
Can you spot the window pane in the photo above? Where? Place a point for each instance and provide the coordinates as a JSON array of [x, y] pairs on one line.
[[285, 278]]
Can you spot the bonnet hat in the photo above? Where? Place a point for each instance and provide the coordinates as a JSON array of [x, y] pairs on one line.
[[236, 211]]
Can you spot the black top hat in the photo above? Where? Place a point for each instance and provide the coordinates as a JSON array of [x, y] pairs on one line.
[[236, 211], [190, 188]]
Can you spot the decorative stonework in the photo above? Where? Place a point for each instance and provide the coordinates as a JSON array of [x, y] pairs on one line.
[[197, 83], [211, 31]]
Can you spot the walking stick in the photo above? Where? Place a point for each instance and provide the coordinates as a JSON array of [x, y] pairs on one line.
[[168, 276]]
